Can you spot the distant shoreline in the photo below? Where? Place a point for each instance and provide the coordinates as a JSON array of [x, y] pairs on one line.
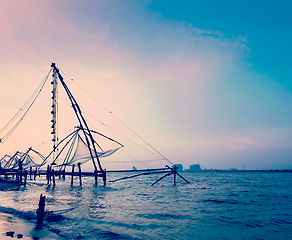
[[237, 170]]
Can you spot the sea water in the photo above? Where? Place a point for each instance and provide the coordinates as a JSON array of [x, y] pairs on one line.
[[215, 205]]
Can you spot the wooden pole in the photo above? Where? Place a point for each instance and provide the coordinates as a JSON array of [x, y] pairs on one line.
[[41, 209], [20, 169], [20, 177], [79, 167], [174, 178], [95, 177], [25, 177], [174, 173], [30, 172], [35, 173], [174, 169], [48, 172], [53, 174], [104, 177], [72, 174], [182, 178], [160, 179]]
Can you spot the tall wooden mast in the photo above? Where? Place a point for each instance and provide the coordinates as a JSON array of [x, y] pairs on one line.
[[82, 122], [54, 113]]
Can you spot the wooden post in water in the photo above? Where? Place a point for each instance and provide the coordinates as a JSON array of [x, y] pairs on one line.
[[30, 172], [25, 177], [41, 209], [48, 172], [79, 167], [104, 177], [174, 178], [20, 170], [53, 174], [35, 173], [20, 176], [95, 177], [72, 175], [174, 169]]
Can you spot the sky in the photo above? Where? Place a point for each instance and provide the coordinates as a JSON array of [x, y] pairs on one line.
[[204, 82]]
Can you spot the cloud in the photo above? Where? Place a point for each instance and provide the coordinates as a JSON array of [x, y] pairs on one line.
[[192, 86], [114, 35]]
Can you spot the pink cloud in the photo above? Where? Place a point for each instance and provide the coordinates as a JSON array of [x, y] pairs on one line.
[[142, 67]]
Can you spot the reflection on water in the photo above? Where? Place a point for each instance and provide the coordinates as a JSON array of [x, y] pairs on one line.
[[213, 206]]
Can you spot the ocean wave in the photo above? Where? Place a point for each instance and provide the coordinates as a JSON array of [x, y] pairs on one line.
[[212, 208], [26, 215], [166, 216]]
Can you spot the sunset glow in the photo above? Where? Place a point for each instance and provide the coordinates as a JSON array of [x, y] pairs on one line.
[[199, 91]]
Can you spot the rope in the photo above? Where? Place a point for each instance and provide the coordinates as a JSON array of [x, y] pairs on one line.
[[122, 135], [121, 122], [135, 159], [31, 99]]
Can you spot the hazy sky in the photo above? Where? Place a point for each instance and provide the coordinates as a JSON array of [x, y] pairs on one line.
[[205, 82]]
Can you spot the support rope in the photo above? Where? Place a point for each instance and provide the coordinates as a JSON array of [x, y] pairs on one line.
[[28, 104], [166, 159]]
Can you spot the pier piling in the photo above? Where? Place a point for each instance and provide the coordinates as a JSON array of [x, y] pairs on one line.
[[41, 209], [95, 177], [48, 174], [35, 173], [80, 178], [53, 175], [72, 175], [104, 177], [25, 177]]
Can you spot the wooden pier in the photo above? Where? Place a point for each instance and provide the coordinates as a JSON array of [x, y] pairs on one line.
[[22, 176], [21, 166]]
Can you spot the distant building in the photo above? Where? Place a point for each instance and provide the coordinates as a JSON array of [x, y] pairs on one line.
[[195, 168], [179, 167]]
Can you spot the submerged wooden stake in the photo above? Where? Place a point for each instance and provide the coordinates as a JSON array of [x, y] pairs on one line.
[[104, 177], [20, 177], [53, 174], [41, 209], [174, 173], [35, 173], [174, 178], [79, 167], [48, 173], [95, 177], [72, 174], [25, 177]]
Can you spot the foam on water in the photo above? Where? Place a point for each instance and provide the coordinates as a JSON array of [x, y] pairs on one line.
[[214, 206]]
